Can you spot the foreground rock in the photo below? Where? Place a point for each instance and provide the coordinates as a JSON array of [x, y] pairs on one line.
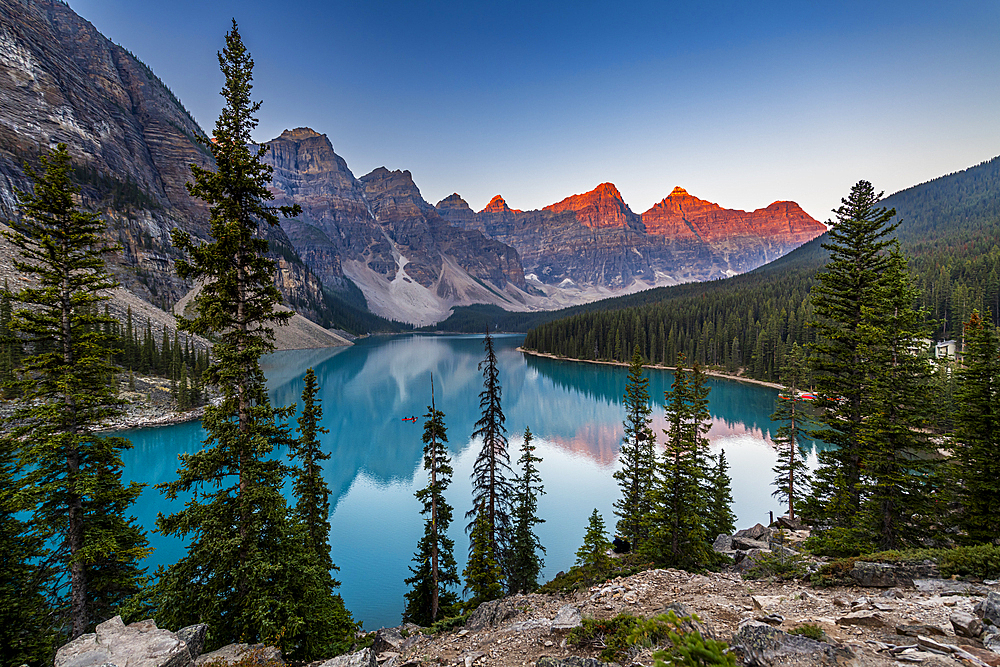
[[139, 644]]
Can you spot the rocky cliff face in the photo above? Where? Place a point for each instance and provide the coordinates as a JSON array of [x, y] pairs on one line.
[[131, 141], [379, 232], [594, 239]]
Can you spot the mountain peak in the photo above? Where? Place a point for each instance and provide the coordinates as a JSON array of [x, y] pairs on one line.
[[300, 133], [678, 191], [496, 205], [454, 202], [601, 207]]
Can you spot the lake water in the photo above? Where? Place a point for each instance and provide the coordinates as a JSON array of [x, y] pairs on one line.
[[574, 411]]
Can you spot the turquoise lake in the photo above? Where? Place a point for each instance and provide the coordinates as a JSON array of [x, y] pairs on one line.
[[574, 410]]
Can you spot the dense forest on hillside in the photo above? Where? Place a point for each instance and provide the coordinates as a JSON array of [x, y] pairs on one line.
[[949, 229]]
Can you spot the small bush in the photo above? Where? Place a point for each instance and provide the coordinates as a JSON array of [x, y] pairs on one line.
[[621, 637], [450, 623], [689, 648], [778, 566], [809, 630], [982, 561], [579, 577], [609, 635]]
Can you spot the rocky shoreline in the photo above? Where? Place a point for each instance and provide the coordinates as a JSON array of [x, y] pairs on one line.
[[715, 374]]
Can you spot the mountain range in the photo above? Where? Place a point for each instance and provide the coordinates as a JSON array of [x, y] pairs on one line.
[[363, 244]]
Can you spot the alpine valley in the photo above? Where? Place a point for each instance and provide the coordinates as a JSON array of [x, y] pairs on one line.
[[362, 246]]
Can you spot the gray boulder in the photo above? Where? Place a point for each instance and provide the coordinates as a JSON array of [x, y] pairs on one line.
[[747, 543], [492, 614], [875, 575], [363, 658], [723, 543], [988, 609], [256, 654], [761, 645], [136, 645], [966, 625], [194, 637], [755, 532], [752, 557], [388, 639], [569, 617]]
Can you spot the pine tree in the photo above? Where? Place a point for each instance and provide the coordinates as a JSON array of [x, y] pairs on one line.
[[81, 504], [678, 535], [525, 553], [638, 457], [492, 490], [594, 551], [312, 512], [898, 457], [720, 519], [429, 598], [482, 572], [257, 580], [977, 432], [791, 473], [847, 285], [312, 507]]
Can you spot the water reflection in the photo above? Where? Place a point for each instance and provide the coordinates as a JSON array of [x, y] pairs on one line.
[[574, 410]]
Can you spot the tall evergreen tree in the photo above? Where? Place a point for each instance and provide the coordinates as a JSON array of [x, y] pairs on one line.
[[492, 490], [594, 550], [720, 519], [638, 457], [312, 516], [791, 472], [257, 580], [897, 454], [678, 534], [312, 496], [436, 571], [525, 553], [75, 473], [847, 286], [977, 432], [482, 572]]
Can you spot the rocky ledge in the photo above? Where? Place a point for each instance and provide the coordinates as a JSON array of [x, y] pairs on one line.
[[859, 627]]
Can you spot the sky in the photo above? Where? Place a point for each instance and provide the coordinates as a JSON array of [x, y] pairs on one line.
[[741, 103]]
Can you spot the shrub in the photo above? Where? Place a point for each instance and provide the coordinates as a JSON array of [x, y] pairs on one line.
[[450, 623], [610, 635], [809, 630], [688, 648], [621, 637], [778, 566]]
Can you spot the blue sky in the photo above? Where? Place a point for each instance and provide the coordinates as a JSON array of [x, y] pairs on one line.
[[742, 103]]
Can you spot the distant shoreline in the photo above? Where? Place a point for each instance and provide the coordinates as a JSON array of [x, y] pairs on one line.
[[715, 374]]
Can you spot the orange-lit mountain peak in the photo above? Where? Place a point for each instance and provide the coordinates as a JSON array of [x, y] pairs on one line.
[[601, 207], [682, 215], [497, 205]]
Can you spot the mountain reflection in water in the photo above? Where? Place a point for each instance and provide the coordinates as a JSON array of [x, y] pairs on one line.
[[574, 410]]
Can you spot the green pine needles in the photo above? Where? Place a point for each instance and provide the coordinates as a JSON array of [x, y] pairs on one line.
[[526, 550], [72, 475], [492, 490], [791, 474], [681, 525], [638, 458], [259, 576], [435, 571]]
